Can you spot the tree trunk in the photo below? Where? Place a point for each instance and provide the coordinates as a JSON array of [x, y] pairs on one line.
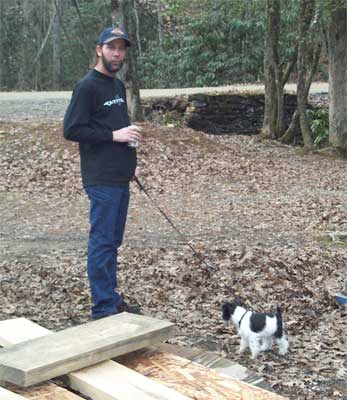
[[135, 106], [44, 42], [139, 48], [279, 127], [117, 13], [270, 64], [160, 22], [123, 11], [289, 135], [57, 67], [276, 74], [2, 64], [306, 56], [23, 76], [338, 79]]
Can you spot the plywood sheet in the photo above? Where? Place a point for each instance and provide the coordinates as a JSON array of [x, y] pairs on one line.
[[192, 379], [48, 391], [56, 354], [213, 361]]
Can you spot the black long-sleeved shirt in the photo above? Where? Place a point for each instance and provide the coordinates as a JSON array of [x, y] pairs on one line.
[[98, 107]]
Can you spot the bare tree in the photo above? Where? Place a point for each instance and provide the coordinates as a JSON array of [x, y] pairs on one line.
[[306, 24], [45, 11], [123, 14], [338, 77], [276, 73], [2, 64], [306, 55], [57, 67], [23, 76], [312, 60], [137, 19]]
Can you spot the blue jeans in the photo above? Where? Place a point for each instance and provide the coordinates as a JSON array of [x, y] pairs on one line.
[[108, 214]]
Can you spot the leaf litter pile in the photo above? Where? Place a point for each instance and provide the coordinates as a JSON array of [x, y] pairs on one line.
[[263, 217]]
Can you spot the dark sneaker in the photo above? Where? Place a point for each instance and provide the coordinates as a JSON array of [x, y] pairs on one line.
[[99, 316], [130, 308]]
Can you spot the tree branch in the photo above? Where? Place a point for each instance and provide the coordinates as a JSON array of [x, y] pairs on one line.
[[290, 65], [44, 42]]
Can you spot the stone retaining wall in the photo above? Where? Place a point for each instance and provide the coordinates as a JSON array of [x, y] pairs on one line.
[[226, 114], [219, 113]]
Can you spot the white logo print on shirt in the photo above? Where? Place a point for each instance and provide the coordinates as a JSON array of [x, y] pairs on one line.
[[117, 100]]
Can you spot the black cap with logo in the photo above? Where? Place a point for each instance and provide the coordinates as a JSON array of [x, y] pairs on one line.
[[113, 33]]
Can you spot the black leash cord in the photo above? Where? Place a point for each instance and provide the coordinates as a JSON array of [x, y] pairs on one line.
[[184, 240]]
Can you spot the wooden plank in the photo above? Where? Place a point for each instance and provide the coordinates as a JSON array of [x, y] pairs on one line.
[[19, 330], [110, 380], [37, 360], [105, 381], [192, 379], [7, 395]]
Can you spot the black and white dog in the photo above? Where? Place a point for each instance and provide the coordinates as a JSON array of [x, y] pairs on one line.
[[258, 331]]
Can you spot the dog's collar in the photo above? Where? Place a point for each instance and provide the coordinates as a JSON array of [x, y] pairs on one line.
[[242, 317]]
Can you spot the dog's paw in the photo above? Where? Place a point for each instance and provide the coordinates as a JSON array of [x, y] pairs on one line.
[[282, 352]]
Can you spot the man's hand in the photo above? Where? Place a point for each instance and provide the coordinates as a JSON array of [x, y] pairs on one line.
[[137, 173], [127, 134]]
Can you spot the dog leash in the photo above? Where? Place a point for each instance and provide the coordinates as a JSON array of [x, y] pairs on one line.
[[183, 238], [242, 317]]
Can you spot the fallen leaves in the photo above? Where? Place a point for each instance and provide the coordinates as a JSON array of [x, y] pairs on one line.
[[252, 209]]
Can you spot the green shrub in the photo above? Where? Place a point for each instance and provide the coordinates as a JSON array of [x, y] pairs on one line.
[[210, 49], [319, 123]]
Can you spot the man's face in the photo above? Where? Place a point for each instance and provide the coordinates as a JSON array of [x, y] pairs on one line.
[[112, 55]]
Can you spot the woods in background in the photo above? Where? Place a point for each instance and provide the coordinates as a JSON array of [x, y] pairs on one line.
[[49, 44], [319, 25]]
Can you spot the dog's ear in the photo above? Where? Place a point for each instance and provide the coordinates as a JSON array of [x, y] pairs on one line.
[[226, 311]]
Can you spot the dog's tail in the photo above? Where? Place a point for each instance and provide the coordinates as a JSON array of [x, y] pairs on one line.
[[279, 330]]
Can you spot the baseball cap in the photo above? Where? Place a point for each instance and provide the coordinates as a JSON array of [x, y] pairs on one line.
[[112, 33]]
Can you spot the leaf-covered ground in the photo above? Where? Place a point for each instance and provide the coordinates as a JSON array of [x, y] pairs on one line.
[[259, 213]]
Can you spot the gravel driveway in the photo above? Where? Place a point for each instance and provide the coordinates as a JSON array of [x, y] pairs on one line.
[[52, 105]]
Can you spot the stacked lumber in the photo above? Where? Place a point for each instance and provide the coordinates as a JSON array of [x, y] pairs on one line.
[[33, 354], [79, 347]]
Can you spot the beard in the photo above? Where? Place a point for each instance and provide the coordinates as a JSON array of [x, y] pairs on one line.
[[109, 66]]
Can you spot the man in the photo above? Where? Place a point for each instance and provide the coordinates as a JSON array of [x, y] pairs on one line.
[[97, 118]]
